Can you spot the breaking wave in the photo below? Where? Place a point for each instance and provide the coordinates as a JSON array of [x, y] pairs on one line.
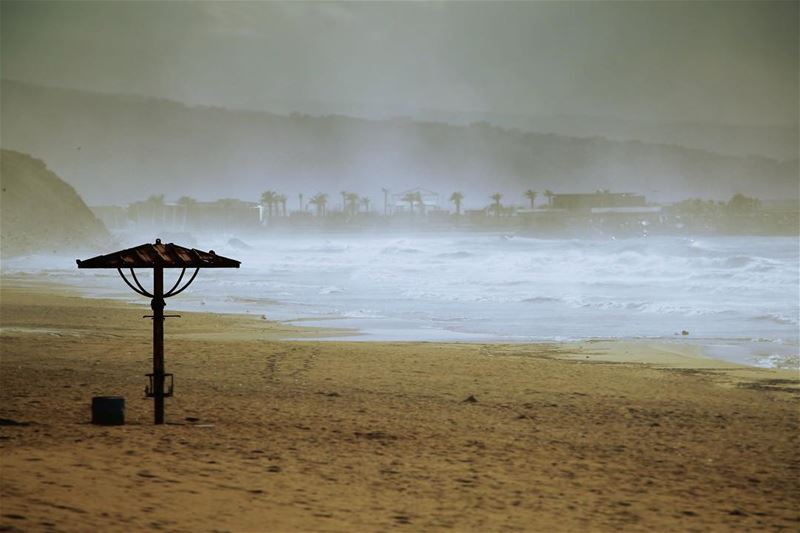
[[505, 287]]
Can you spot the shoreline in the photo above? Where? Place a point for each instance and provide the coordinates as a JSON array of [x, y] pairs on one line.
[[658, 353], [733, 351], [718, 350]]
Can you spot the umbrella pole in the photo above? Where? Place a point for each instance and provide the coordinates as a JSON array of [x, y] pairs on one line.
[[158, 344]]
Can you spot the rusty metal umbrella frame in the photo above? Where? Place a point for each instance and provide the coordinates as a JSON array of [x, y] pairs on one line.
[[159, 256]]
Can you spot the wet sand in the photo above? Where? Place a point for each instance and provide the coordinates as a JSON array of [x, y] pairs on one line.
[[265, 434]]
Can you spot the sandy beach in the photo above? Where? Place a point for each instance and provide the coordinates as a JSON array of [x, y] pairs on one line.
[[265, 434]]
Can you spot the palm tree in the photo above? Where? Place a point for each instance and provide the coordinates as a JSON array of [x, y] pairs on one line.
[[740, 203], [352, 203], [549, 195], [268, 199], [320, 200], [344, 200], [323, 199], [281, 199], [496, 199], [155, 199], [155, 205], [187, 202], [531, 195], [365, 202], [456, 198], [315, 202]]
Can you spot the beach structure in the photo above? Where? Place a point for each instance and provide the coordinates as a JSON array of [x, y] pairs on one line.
[[159, 256], [602, 199]]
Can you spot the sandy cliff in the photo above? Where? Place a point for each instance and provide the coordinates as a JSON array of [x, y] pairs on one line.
[[40, 211]]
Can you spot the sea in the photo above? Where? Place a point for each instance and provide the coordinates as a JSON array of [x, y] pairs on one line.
[[736, 297]]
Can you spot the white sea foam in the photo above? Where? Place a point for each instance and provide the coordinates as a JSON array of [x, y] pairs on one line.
[[500, 287]]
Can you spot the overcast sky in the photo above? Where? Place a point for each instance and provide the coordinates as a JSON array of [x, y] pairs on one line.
[[728, 62]]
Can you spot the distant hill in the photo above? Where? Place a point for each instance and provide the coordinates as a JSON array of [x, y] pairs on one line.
[[775, 142], [39, 212], [116, 149]]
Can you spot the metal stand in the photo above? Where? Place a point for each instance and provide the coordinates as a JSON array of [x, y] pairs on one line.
[[169, 385], [156, 388]]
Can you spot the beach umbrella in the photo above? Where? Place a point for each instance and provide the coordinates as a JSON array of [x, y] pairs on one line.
[[159, 256]]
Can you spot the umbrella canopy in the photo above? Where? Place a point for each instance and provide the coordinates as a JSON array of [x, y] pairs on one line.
[[159, 255]]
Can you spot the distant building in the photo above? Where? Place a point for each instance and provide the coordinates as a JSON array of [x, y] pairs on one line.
[[191, 215], [227, 214], [600, 199], [418, 200]]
